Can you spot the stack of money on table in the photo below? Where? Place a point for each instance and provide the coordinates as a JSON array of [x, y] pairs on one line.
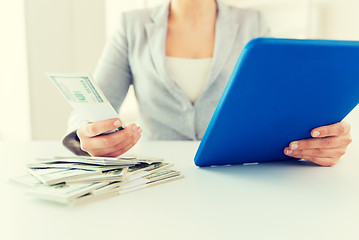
[[74, 180]]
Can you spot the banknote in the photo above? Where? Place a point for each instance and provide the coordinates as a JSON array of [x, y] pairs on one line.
[[138, 167], [64, 193], [160, 175], [88, 160], [153, 177], [124, 158], [114, 175], [138, 172], [112, 186], [80, 166], [147, 180], [142, 159], [108, 190], [84, 95], [55, 176], [114, 189], [106, 161], [88, 198], [49, 165], [138, 186]]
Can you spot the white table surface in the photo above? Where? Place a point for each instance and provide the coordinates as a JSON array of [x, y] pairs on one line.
[[283, 200]]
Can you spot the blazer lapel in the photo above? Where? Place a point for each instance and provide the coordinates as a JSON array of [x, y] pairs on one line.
[[225, 37], [156, 31]]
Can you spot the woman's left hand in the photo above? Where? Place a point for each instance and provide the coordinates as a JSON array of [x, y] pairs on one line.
[[328, 145]]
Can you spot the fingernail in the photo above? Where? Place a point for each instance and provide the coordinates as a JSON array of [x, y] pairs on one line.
[[117, 123], [139, 131], [316, 133], [134, 128], [289, 152], [294, 146]]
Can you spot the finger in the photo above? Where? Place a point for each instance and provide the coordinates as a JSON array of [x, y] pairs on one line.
[[111, 140], [97, 128], [325, 142], [124, 149], [325, 162], [335, 129], [118, 147], [334, 153]]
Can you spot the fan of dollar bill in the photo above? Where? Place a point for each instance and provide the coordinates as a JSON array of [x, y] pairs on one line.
[[78, 179]]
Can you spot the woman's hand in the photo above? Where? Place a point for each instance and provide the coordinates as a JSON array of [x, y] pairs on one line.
[[326, 147], [110, 145]]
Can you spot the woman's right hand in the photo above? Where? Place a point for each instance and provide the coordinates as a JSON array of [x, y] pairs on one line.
[[109, 145]]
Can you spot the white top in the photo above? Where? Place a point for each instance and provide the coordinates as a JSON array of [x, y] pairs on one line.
[[190, 74]]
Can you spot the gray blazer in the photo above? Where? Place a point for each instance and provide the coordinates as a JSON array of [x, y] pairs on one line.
[[136, 55]]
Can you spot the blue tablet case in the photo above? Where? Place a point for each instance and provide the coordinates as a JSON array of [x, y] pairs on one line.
[[280, 89]]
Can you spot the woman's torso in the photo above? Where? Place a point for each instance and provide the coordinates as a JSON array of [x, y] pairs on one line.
[[166, 112]]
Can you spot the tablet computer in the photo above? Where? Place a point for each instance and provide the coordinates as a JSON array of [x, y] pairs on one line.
[[279, 90]]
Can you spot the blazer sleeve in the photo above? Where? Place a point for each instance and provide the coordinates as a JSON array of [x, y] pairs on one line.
[[112, 74]]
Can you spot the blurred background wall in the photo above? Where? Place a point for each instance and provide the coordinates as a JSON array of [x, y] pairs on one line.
[[68, 36]]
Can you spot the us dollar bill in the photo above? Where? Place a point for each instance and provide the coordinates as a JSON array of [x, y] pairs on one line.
[[55, 176], [145, 169], [64, 193], [80, 166], [117, 188], [113, 175], [151, 178], [84, 95], [137, 185], [88, 160]]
